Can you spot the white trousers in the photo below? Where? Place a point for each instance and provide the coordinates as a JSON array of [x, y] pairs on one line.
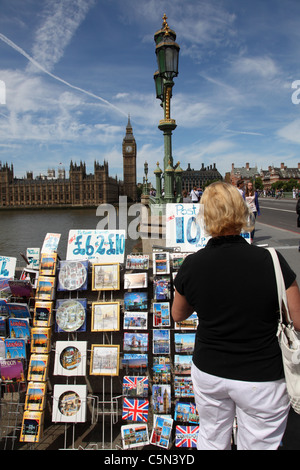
[[261, 409]]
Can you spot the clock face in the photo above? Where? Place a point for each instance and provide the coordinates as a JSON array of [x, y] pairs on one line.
[[128, 148]]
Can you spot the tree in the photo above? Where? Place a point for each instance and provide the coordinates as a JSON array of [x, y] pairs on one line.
[[258, 184]]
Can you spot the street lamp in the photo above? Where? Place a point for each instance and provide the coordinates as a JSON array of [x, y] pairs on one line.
[[167, 54], [167, 51]]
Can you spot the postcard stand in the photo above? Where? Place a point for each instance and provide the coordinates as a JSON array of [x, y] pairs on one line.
[[93, 399], [11, 412], [107, 407]]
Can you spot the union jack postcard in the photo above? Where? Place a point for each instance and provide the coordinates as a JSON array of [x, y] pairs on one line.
[[135, 386], [135, 409], [186, 436]]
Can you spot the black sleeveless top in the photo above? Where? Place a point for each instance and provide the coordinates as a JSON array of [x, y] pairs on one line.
[[232, 287]]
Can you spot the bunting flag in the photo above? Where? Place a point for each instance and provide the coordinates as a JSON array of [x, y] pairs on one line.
[[186, 436], [135, 409]]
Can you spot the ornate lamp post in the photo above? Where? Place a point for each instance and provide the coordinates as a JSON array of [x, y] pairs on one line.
[[146, 178], [167, 54]]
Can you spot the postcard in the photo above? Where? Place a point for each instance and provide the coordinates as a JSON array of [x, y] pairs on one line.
[[104, 359], [186, 436], [184, 342], [186, 413], [183, 364], [135, 363], [162, 430], [135, 280], [161, 369], [161, 263], [45, 288], [162, 287], [135, 301], [135, 342], [134, 435], [177, 259], [161, 398], [137, 262], [161, 314], [135, 320], [106, 276], [135, 386], [105, 316], [161, 341], [135, 409], [191, 323], [183, 387]]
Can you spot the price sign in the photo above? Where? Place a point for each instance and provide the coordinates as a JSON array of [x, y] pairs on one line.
[[183, 227], [7, 266], [96, 245]]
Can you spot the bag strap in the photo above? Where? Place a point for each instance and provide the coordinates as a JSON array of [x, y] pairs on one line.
[[282, 299]]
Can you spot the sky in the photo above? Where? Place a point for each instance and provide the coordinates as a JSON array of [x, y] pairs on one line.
[[72, 71]]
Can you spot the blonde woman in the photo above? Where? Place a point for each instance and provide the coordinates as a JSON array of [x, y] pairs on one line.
[[237, 367]]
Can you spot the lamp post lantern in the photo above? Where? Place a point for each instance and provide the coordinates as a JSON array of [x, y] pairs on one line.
[[167, 54]]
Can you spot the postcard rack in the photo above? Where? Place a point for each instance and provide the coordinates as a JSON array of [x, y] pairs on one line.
[[107, 407], [11, 413]]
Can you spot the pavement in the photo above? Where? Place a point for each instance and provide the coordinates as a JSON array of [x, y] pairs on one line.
[[287, 243]]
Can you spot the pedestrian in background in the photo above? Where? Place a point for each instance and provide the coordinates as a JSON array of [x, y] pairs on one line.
[[194, 195], [185, 197], [240, 186], [298, 212], [251, 198], [237, 365]]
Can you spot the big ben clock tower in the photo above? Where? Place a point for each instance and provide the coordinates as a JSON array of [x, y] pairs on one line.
[[129, 163]]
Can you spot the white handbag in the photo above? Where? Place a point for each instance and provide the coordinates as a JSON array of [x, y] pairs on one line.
[[289, 340]]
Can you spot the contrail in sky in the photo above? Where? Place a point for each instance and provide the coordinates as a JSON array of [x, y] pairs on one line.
[[34, 62]]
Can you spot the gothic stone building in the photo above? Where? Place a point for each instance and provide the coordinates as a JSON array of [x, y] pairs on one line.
[[79, 190], [199, 178]]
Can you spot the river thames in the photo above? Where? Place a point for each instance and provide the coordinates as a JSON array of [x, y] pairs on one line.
[[22, 229]]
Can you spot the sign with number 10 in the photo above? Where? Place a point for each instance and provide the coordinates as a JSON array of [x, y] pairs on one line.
[[183, 227]]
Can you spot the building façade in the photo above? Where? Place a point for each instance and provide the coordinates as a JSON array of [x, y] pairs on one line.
[[80, 189]]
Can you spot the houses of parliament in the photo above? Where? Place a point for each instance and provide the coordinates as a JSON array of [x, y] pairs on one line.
[[80, 189]]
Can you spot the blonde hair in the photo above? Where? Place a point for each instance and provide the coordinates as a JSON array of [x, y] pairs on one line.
[[224, 210]]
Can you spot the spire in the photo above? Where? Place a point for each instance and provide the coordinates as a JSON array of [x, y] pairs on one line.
[[129, 126], [129, 131]]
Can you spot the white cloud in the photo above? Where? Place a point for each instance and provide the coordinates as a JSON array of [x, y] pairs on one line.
[[264, 67], [60, 22], [291, 132]]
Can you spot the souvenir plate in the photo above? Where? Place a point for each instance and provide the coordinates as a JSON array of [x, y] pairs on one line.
[[72, 275], [70, 315]]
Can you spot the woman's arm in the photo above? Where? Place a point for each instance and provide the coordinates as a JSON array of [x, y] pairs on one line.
[[293, 300], [181, 309]]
